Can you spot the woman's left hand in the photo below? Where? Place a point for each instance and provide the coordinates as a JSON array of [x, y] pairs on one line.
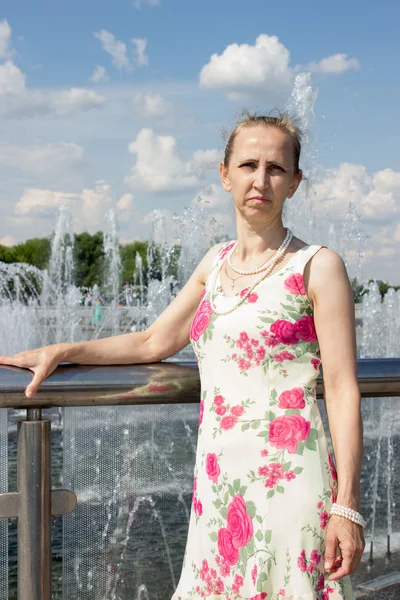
[[349, 538]]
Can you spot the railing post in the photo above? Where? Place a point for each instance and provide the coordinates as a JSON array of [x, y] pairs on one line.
[[34, 511]]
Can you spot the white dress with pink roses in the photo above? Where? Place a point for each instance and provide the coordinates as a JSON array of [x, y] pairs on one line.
[[264, 479]]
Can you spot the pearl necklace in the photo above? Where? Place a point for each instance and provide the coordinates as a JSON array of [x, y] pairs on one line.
[[280, 252], [264, 265]]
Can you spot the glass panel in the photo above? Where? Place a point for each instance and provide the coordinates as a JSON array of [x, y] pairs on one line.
[[132, 470]]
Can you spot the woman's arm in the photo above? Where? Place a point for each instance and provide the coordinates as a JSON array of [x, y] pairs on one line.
[[330, 292], [164, 338]]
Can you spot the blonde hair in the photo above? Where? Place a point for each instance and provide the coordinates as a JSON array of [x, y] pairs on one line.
[[284, 121]]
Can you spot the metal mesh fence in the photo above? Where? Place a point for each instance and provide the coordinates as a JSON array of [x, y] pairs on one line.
[[3, 488], [132, 470]]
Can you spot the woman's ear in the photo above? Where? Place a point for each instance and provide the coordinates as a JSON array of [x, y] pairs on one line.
[[223, 173], [297, 177]]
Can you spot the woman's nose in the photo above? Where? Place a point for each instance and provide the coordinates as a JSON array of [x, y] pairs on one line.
[[262, 177]]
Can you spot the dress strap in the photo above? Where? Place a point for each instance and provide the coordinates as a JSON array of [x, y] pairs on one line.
[[304, 255]]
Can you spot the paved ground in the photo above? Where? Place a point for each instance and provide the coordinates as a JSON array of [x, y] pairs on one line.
[[380, 567]]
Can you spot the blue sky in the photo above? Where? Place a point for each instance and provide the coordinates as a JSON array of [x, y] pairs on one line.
[[85, 110]]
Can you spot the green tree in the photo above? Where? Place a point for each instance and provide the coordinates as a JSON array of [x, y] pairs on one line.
[[358, 290], [128, 259], [88, 259]]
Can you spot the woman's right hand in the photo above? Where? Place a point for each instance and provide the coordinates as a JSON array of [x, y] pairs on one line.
[[42, 362]]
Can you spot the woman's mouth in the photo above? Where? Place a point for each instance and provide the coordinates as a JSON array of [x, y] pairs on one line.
[[259, 199]]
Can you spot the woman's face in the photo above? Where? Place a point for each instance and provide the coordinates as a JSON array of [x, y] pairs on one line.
[[260, 174]]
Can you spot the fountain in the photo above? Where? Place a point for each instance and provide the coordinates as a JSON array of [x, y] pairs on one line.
[[131, 467]]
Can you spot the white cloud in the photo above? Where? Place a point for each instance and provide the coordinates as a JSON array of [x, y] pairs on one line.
[[16, 100], [115, 48], [158, 166], [88, 207], [7, 240], [151, 105], [125, 202], [41, 202], [5, 39], [377, 198], [337, 63], [140, 51], [138, 3], [12, 80], [99, 74], [386, 252], [243, 71], [41, 160], [213, 197]]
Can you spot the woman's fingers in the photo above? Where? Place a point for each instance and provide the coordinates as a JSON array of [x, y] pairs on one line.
[[41, 361], [39, 376], [11, 360]]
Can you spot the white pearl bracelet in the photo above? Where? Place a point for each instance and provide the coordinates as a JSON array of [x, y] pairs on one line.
[[348, 513]]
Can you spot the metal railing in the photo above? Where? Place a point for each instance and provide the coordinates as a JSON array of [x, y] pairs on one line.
[[34, 503]]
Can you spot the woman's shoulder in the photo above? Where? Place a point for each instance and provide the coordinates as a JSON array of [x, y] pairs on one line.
[[324, 271]]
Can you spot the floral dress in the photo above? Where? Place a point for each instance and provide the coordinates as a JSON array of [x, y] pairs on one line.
[[264, 480]]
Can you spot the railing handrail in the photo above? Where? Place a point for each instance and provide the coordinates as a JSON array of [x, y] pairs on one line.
[[155, 383]]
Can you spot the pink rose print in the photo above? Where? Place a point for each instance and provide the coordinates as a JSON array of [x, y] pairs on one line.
[[218, 400], [315, 557], [287, 431], [264, 452], [219, 586], [254, 574], [281, 592], [270, 339], [284, 331], [334, 495], [239, 523], [321, 582], [237, 584], [201, 412], [323, 519], [305, 329], [320, 505], [332, 468], [243, 364], [237, 410], [252, 298], [293, 398], [212, 467], [284, 355], [243, 337], [228, 422], [244, 292], [259, 596], [201, 320], [220, 410], [295, 284], [199, 508], [301, 562], [325, 594], [226, 548], [315, 363], [225, 250]]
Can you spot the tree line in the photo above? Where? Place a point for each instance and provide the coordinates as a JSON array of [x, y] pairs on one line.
[[90, 261]]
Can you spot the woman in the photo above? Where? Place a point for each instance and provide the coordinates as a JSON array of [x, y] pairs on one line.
[[271, 517]]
